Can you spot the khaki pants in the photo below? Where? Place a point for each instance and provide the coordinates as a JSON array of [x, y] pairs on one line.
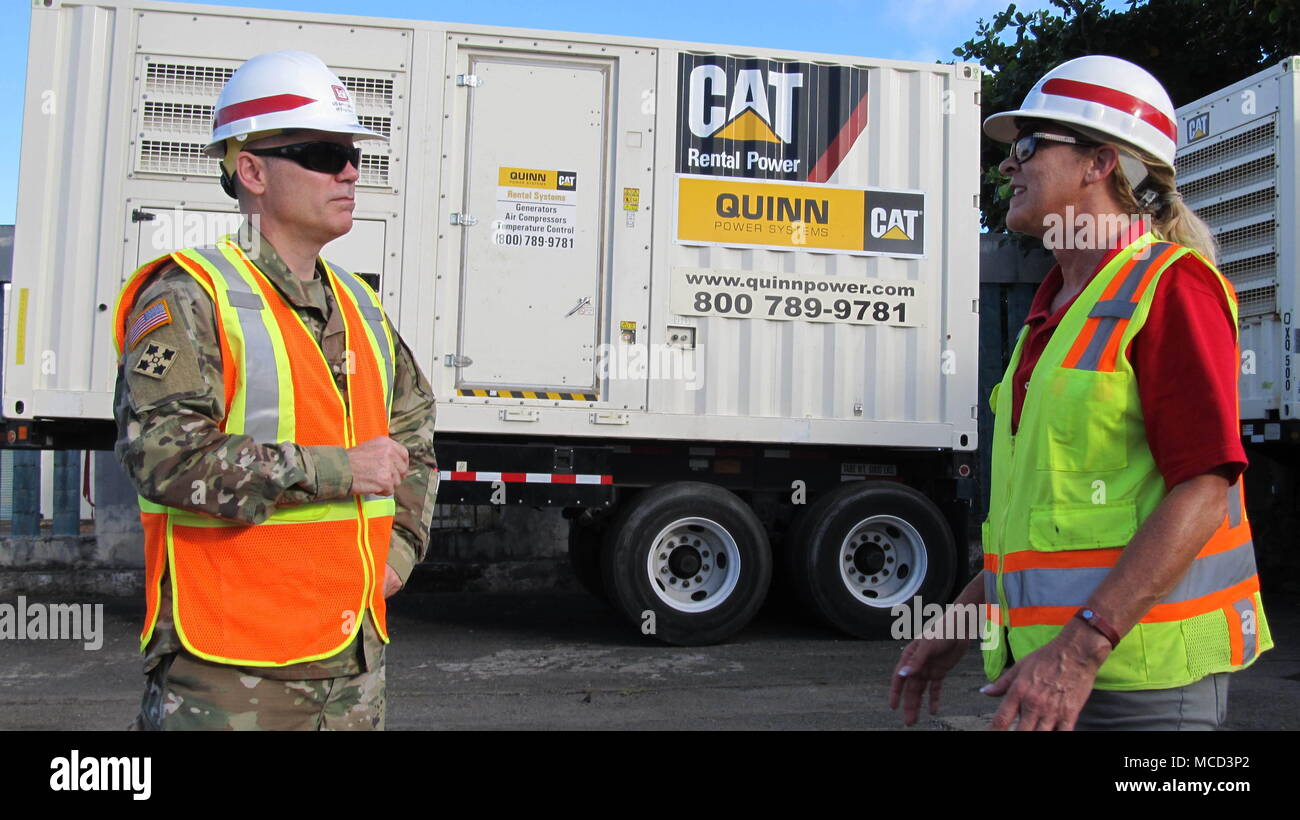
[[1200, 706], [185, 693]]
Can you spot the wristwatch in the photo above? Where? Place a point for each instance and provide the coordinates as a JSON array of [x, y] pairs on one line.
[[1092, 619]]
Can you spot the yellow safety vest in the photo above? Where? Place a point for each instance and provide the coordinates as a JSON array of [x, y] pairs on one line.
[[1077, 480]]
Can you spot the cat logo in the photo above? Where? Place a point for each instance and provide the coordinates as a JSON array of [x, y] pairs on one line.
[[767, 119], [1198, 127], [752, 113], [894, 223]]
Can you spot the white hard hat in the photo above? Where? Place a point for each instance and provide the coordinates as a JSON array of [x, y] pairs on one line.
[[1107, 98], [279, 90]]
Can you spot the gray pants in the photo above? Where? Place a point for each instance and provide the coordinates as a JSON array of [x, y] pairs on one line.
[[1200, 706]]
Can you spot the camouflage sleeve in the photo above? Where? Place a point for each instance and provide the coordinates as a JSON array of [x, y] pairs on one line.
[[411, 424], [169, 403]]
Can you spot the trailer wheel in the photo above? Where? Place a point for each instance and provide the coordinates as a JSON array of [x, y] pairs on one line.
[[688, 563], [866, 547], [584, 556]]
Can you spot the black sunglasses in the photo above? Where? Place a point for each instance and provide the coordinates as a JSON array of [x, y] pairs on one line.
[[324, 157], [1023, 148]]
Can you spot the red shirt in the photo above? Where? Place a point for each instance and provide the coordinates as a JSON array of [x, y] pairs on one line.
[[1185, 362]]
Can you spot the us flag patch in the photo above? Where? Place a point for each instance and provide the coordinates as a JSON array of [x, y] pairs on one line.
[[150, 319]]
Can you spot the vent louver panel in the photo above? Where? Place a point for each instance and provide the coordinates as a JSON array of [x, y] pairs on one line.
[[1230, 181], [177, 110]]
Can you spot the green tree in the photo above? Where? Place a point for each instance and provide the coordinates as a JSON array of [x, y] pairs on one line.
[[1192, 46]]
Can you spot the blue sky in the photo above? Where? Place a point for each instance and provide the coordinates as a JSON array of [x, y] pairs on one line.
[[895, 29]]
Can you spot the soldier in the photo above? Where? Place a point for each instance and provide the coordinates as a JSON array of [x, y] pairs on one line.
[[278, 431]]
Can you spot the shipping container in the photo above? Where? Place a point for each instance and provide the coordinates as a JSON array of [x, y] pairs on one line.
[[1238, 165], [712, 300]]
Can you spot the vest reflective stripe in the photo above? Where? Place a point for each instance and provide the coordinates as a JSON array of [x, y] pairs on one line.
[[1244, 640], [1098, 345], [262, 419], [1036, 588], [1077, 481], [1235, 506], [373, 314], [228, 580]]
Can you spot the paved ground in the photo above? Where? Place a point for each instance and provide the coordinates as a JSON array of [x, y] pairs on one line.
[[560, 660]]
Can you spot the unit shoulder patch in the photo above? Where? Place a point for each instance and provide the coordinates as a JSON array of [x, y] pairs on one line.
[[148, 320], [156, 360]]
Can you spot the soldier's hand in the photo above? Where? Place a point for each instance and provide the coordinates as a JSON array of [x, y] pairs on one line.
[[392, 584], [378, 466]]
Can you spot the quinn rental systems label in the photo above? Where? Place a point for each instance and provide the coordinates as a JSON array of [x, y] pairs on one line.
[[536, 208]]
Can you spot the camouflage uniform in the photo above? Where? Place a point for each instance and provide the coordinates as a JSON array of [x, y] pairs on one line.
[[171, 446]]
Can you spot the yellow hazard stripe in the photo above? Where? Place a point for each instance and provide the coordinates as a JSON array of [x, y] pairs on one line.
[[528, 394]]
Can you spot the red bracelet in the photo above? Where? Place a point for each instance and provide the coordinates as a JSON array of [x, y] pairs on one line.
[[1092, 619]]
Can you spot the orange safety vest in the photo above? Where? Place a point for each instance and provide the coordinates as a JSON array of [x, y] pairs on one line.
[[297, 587]]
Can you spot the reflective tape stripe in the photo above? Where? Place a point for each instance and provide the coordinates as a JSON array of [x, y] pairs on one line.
[[1106, 333], [378, 505], [262, 390], [1234, 504], [245, 300], [1225, 539], [1114, 308], [1091, 358], [1211, 573], [990, 587], [1161, 613], [1053, 588], [1190, 609], [345, 510], [1248, 625], [1038, 588], [374, 317], [1065, 559]]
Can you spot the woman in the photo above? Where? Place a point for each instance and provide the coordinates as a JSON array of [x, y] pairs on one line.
[[1119, 576]]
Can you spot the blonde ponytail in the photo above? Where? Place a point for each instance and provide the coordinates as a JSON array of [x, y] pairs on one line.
[[1171, 219]]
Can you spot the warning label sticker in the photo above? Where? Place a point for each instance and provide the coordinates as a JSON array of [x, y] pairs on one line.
[[536, 208], [721, 211]]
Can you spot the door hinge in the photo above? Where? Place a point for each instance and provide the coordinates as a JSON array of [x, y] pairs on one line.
[[470, 80], [453, 360], [141, 215], [464, 219]]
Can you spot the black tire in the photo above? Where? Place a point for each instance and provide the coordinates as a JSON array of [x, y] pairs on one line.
[[695, 598], [898, 533], [584, 556]]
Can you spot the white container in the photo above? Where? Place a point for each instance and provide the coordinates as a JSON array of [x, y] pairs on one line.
[[1238, 167], [567, 302]]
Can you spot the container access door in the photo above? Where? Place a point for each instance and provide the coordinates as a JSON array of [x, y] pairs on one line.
[[535, 237]]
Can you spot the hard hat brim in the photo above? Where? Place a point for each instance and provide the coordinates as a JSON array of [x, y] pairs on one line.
[[217, 148]]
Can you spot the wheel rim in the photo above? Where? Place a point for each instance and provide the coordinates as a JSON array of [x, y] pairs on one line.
[[693, 564], [883, 561]]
